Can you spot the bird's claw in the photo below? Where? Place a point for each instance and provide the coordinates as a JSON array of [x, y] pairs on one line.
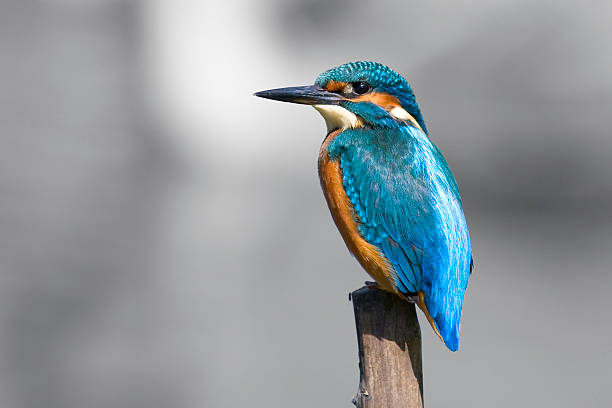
[[371, 285]]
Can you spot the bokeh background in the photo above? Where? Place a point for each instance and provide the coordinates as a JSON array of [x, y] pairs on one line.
[[164, 241]]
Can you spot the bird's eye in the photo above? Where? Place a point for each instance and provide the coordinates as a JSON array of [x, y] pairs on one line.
[[361, 87]]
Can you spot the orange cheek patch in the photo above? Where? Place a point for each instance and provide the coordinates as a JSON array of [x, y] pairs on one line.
[[335, 86], [384, 100]]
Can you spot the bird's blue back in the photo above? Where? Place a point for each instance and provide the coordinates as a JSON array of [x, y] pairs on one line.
[[408, 205]]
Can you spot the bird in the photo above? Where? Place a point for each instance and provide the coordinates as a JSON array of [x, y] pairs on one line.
[[390, 190]]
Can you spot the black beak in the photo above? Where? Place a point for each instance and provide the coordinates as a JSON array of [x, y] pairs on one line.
[[307, 95]]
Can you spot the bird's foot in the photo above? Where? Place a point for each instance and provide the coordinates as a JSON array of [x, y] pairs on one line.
[[371, 285], [412, 298]]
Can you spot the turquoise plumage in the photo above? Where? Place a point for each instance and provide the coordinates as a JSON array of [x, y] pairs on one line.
[[404, 200], [412, 213]]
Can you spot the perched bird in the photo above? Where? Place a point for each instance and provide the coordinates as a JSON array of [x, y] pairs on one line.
[[389, 189]]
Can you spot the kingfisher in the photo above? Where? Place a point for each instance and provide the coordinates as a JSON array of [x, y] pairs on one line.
[[389, 189]]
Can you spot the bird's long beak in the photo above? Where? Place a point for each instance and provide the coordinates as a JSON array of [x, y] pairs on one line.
[[307, 95]]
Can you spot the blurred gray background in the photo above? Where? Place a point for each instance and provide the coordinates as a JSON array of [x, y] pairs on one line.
[[164, 241]]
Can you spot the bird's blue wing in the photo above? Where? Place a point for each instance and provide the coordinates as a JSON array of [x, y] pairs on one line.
[[408, 205]]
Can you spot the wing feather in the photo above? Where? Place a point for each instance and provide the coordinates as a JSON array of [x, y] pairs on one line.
[[408, 205]]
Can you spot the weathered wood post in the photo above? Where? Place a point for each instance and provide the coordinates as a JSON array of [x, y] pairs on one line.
[[389, 339]]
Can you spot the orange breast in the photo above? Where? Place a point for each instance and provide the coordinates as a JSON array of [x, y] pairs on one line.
[[345, 218]]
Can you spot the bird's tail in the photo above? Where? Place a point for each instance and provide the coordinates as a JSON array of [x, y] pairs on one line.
[[449, 330], [446, 327]]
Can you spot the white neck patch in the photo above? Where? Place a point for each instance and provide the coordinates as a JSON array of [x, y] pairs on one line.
[[337, 117], [400, 113]]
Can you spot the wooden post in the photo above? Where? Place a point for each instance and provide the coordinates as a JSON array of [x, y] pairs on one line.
[[389, 339]]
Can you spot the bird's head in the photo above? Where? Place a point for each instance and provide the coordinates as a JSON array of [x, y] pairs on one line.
[[356, 94]]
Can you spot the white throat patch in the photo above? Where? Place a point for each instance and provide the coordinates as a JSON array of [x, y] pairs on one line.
[[336, 117]]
